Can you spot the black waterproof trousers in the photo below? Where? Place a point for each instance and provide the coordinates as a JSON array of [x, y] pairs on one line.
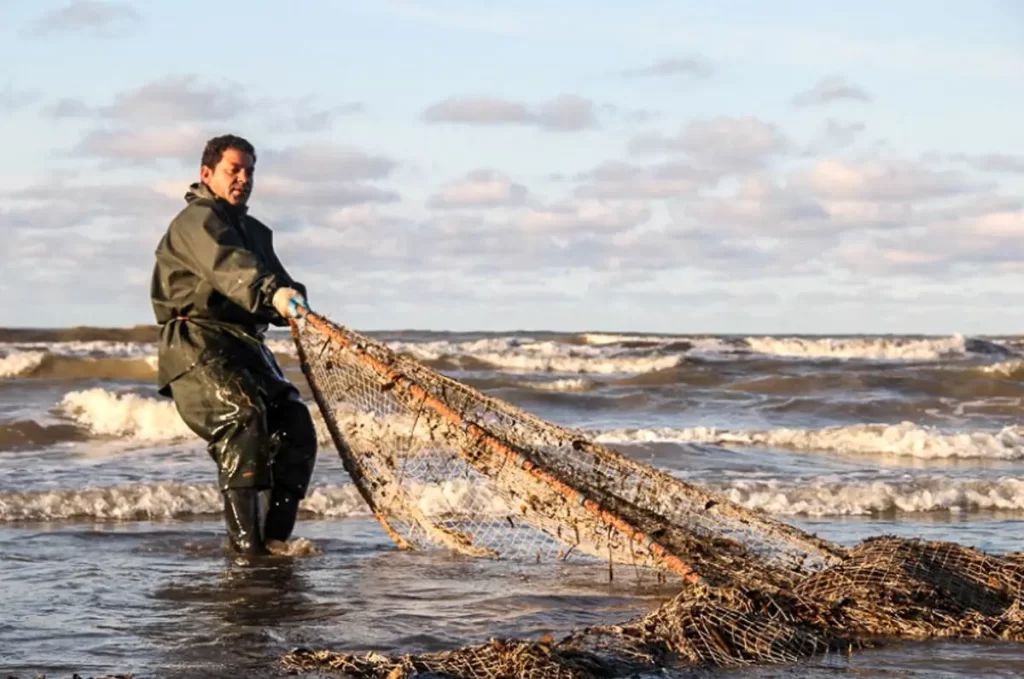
[[260, 435]]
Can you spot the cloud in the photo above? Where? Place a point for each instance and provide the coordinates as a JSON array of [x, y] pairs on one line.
[[285, 196], [1002, 224], [296, 184], [40, 218], [101, 19], [477, 111], [325, 161], [726, 143], [994, 162], [880, 218], [523, 238], [145, 146], [479, 189], [360, 238], [622, 180], [909, 254], [834, 137], [694, 67], [881, 181], [580, 218], [12, 100], [762, 204], [177, 99], [829, 90], [171, 99], [111, 199], [564, 113], [291, 181], [804, 219]]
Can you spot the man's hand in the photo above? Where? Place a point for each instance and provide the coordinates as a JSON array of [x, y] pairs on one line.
[[290, 303]]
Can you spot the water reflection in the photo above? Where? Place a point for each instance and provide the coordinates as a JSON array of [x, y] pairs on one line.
[[236, 619]]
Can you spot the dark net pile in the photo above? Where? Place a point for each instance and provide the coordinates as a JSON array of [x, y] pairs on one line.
[[441, 464]]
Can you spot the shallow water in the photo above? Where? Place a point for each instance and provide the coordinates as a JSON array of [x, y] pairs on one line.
[[110, 533]]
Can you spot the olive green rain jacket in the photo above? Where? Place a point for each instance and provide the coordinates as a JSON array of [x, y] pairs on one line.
[[214, 278]]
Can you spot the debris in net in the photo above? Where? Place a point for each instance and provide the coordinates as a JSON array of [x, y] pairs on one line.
[[889, 588], [753, 590]]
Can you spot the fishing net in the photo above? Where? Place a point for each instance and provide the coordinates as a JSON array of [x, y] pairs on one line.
[[442, 465]]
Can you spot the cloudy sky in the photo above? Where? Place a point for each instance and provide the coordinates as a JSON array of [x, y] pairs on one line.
[[660, 165]]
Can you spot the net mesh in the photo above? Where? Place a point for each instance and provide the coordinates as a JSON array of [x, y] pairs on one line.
[[441, 464]]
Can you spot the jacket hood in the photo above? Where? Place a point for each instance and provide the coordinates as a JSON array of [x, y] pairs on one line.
[[199, 191]]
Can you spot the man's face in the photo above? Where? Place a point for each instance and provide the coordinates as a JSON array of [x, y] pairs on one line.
[[232, 179]]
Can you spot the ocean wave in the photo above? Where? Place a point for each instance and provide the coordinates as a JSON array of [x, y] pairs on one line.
[[512, 355], [94, 348], [29, 434], [1012, 368], [106, 414], [830, 496], [815, 497], [126, 416], [20, 363], [606, 354], [108, 363], [585, 354], [904, 439], [570, 384], [44, 365], [133, 418], [169, 500], [876, 348], [601, 338]]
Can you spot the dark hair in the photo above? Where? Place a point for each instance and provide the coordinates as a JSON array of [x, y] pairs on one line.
[[216, 147]]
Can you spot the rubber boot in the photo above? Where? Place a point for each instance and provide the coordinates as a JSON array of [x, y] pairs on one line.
[[284, 508], [242, 516]]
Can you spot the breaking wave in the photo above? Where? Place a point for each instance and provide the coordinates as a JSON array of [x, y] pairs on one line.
[[20, 363], [168, 500], [102, 413], [606, 354], [577, 354], [126, 416], [105, 414], [97, 361], [904, 439], [876, 348], [818, 497], [831, 496], [1012, 368], [44, 365]]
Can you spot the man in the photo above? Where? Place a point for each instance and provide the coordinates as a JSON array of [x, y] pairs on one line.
[[217, 286]]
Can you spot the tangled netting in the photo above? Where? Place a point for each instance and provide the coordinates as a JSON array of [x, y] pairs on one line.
[[441, 464]]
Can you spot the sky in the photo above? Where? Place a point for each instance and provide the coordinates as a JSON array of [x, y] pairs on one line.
[[653, 166]]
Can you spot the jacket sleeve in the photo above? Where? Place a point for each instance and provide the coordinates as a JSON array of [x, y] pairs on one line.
[[214, 251]]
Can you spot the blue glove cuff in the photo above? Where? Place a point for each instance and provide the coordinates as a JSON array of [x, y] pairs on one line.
[[295, 304]]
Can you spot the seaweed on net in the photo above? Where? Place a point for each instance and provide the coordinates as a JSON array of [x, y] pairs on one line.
[[511, 485]]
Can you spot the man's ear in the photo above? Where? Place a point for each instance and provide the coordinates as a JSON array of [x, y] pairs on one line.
[[205, 173]]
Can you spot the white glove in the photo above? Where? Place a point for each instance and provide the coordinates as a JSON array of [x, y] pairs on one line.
[[290, 303]]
